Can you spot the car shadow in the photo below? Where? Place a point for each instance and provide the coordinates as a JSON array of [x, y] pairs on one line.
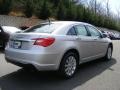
[[34, 80]]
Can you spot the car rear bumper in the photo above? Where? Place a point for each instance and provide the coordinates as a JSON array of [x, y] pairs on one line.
[[41, 61]]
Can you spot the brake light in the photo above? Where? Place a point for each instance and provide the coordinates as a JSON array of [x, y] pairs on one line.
[[45, 42]]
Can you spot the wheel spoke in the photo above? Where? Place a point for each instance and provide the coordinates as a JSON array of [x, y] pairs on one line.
[[70, 65]]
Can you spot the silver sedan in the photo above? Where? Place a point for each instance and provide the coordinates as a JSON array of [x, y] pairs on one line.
[[60, 45]]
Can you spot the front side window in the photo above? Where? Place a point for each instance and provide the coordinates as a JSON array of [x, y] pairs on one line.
[[81, 30], [93, 31]]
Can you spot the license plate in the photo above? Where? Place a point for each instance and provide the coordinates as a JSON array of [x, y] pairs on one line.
[[17, 44]]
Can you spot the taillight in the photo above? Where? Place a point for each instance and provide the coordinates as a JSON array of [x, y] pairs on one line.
[[45, 42]]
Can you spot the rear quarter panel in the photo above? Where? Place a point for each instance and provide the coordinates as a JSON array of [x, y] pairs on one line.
[[62, 44]]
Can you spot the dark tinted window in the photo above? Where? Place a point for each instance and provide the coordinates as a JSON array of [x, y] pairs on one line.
[[81, 30], [72, 31]]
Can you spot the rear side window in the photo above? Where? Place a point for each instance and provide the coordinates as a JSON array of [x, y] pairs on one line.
[[81, 30], [44, 28], [72, 31]]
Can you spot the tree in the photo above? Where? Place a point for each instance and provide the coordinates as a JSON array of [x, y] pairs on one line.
[[79, 13], [44, 11], [95, 13], [61, 12], [71, 11], [29, 8], [5, 6], [107, 8], [93, 5], [55, 2]]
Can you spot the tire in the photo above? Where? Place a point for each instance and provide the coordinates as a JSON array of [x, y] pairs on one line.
[[4, 45], [108, 55], [68, 65]]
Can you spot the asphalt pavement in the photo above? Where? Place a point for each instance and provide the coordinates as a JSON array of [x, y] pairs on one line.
[[95, 75]]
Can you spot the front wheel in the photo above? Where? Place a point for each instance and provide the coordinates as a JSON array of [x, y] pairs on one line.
[[108, 55], [68, 65]]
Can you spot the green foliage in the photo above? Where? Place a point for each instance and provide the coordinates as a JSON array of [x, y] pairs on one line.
[[44, 12], [5, 6], [71, 11], [55, 2], [79, 13], [62, 10], [29, 8]]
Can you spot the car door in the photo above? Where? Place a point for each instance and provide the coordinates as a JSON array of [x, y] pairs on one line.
[[85, 45], [99, 47]]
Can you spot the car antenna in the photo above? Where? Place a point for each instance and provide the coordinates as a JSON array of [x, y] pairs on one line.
[[49, 21]]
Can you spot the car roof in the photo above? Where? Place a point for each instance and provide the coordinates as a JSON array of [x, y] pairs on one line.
[[70, 22], [66, 22]]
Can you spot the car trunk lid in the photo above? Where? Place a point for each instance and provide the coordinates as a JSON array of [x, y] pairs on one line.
[[24, 40]]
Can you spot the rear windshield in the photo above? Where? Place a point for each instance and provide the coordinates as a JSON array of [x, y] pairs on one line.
[[43, 28]]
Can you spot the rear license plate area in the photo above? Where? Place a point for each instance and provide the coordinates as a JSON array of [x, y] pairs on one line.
[[17, 44]]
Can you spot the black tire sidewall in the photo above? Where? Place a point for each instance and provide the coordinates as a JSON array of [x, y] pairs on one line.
[[62, 65], [106, 56]]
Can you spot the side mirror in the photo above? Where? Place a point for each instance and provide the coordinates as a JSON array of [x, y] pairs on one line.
[[104, 35]]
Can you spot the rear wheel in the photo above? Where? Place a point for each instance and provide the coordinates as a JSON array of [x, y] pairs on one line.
[[4, 45], [108, 55], [68, 65]]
